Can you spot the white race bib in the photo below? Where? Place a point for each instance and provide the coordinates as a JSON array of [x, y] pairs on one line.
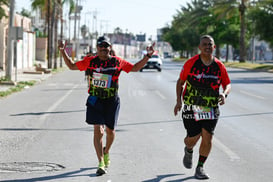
[[101, 80], [203, 113]]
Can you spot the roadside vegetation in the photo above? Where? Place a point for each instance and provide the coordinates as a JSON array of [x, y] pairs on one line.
[[251, 66], [22, 84], [244, 65], [16, 88], [233, 24]]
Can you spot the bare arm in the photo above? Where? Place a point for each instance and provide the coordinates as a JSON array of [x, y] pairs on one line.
[[226, 91], [179, 90], [144, 60], [70, 64]]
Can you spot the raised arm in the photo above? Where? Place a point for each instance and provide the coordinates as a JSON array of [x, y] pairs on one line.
[[144, 60], [70, 64]]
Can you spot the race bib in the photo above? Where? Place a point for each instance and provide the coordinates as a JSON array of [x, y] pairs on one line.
[[101, 80], [203, 113]]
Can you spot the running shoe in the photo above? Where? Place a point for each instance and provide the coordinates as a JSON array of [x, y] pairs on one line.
[[106, 158], [200, 173], [187, 160], [101, 169]]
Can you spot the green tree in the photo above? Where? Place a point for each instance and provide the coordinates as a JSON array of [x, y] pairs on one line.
[[2, 11], [45, 7], [262, 16], [52, 10], [25, 12], [179, 35], [226, 8]]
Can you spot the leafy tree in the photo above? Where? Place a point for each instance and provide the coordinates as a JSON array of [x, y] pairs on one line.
[[25, 12], [51, 9], [2, 11], [262, 16], [226, 9]]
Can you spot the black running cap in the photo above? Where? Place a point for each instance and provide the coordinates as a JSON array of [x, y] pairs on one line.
[[103, 39]]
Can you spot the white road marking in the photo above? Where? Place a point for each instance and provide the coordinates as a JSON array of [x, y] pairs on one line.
[[57, 103], [160, 94], [233, 156], [253, 95]]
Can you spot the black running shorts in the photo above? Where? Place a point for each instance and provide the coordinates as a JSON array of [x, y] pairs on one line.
[[194, 127], [103, 111]]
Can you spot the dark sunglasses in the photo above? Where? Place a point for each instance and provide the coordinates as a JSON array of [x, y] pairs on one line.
[[103, 45]]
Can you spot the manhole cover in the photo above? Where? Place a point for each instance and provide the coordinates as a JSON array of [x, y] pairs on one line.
[[30, 167]]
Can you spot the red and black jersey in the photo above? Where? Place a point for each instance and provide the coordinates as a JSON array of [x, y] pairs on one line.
[[203, 82], [104, 74]]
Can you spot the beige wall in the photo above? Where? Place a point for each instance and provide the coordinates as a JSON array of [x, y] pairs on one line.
[[25, 48], [3, 41], [41, 48]]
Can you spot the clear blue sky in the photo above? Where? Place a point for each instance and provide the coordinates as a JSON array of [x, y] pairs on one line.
[[136, 16]]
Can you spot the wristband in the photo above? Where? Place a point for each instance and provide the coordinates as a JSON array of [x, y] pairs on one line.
[[148, 56]]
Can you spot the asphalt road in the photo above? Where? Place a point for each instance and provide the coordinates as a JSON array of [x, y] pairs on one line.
[[43, 136]]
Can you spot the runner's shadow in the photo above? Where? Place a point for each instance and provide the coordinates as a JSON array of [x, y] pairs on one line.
[[67, 175], [42, 113], [163, 177]]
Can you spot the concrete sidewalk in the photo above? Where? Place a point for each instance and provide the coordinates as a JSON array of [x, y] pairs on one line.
[[30, 74], [37, 77]]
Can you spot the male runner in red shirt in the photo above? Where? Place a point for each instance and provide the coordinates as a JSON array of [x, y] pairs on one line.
[[198, 86], [103, 102]]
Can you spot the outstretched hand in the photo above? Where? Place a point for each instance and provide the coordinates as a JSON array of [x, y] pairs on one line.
[[62, 44], [150, 49]]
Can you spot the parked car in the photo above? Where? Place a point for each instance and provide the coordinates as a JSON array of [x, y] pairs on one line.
[[155, 62]]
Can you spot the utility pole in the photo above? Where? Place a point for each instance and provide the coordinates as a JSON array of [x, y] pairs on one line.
[[10, 41], [75, 29]]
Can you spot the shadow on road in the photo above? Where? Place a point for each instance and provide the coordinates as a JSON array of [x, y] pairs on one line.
[[66, 175], [162, 177], [42, 113]]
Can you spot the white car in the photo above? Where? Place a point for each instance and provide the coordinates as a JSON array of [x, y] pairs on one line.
[[155, 62]]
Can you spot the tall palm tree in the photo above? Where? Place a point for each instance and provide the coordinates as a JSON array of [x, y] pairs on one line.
[[226, 8], [60, 8], [45, 8], [53, 9]]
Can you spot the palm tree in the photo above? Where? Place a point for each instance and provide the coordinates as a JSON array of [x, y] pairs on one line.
[[226, 8], [45, 7], [52, 9], [60, 4]]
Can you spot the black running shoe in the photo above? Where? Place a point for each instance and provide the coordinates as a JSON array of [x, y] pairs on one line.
[[101, 169], [187, 160], [200, 173]]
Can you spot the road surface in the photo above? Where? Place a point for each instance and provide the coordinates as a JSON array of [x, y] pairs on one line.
[[43, 135]]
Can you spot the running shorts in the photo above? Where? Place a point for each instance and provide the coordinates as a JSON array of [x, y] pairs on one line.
[[194, 127], [102, 111]]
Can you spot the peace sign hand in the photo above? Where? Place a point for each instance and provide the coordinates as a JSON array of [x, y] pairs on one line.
[[62, 44], [150, 50]]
